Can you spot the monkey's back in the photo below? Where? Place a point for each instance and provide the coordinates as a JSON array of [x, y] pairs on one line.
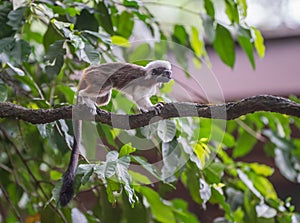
[[115, 74]]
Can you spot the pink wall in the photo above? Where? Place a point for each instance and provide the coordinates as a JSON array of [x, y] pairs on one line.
[[278, 73]]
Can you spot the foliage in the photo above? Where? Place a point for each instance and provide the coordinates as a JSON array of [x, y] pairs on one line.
[[44, 45]]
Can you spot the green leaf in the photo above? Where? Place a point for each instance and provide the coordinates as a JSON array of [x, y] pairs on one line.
[[104, 17], [263, 185], [187, 148], [55, 175], [224, 45], [214, 132], [232, 11], [107, 169], [161, 212], [249, 184], [137, 214], [214, 172], [244, 39], [89, 54], [261, 169], [201, 149], [181, 56], [167, 87], [87, 170], [7, 44], [56, 190], [120, 41], [76, 41], [30, 83], [51, 36], [55, 58], [209, 28], [45, 129], [21, 51], [191, 175], [160, 49], [90, 139], [244, 143], [149, 167], [209, 7], [280, 142], [296, 217], [16, 51], [141, 52], [124, 177], [285, 164], [65, 130], [126, 150], [86, 21], [6, 30], [112, 156], [118, 168], [180, 35], [131, 4], [243, 6], [172, 159], [107, 132], [182, 213], [3, 92], [125, 23], [149, 131], [259, 42], [205, 191], [139, 178], [196, 43], [66, 91], [16, 18], [218, 198], [166, 130], [238, 215], [263, 210], [112, 186], [31, 35], [63, 10]]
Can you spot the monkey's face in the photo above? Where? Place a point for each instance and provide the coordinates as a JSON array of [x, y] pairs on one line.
[[161, 74]]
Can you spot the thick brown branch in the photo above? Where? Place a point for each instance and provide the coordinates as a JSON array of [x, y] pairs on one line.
[[227, 111]]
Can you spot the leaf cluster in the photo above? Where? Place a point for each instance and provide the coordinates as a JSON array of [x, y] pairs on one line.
[[44, 46]]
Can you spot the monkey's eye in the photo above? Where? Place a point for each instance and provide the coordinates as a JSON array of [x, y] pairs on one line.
[[155, 72]]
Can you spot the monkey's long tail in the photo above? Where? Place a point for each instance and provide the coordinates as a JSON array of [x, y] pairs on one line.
[[67, 189]]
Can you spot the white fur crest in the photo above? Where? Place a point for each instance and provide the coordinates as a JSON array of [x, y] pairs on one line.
[[157, 64]]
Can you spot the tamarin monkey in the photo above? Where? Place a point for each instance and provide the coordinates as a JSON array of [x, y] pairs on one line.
[[138, 83]]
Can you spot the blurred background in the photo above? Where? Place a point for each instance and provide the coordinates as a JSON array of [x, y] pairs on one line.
[[278, 73]]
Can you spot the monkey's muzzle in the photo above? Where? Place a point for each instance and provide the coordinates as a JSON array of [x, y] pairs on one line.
[[165, 76], [167, 73]]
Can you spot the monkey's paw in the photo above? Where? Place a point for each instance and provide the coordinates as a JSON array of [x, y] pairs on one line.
[[91, 109], [156, 108]]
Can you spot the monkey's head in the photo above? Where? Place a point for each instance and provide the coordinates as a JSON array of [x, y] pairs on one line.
[[159, 70]]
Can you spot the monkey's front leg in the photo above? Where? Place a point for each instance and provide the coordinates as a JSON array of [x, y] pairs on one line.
[[145, 105], [89, 102]]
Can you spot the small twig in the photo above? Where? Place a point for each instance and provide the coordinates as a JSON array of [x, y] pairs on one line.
[[252, 132]]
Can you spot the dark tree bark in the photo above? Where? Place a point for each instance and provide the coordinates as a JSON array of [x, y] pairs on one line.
[[226, 111]]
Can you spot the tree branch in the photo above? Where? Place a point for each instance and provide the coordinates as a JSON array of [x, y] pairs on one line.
[[226, 111]]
